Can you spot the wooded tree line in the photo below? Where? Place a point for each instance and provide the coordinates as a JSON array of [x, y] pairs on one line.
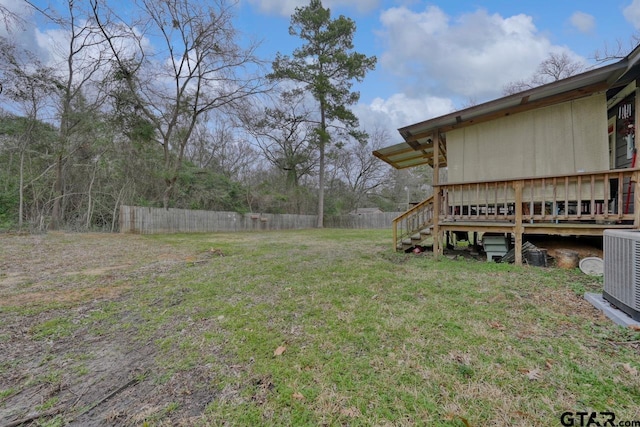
[[172, 107]]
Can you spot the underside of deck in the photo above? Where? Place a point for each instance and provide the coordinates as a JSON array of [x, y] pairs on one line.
[[559, 229]]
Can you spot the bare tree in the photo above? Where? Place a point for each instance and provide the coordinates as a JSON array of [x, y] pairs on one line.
[[618, 50], [362, 171], [9, 17], [556, 66], [285, 134], [26, 84], [196, 68], [215, 146], [78, 63]]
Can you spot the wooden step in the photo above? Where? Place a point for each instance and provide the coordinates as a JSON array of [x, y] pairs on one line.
[[414, 239], [403, 246]]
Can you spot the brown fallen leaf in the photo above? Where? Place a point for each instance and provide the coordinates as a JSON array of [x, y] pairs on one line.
[[278, 351], [532, 374], [629, 369], [351, 412], [497, 325], [298, 396], [214, 251], [451, 417], [634, 327], [548, 363]]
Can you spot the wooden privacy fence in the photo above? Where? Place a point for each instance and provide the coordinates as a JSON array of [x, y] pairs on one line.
[[145, 220], [379, 220]]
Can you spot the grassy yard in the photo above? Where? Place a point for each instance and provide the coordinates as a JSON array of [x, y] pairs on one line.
[[318, 327]]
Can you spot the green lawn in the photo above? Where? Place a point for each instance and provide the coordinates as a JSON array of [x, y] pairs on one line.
[[329, 327]]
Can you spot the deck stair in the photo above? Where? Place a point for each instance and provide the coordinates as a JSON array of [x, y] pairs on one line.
[[414, 226], [415, 239]]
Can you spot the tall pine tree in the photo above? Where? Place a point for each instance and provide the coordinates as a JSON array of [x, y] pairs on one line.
[[326, 66]]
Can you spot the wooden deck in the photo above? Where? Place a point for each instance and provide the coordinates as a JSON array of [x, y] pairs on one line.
[[583, 204]]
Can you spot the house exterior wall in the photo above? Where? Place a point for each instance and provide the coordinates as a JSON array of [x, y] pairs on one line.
[[565, 138]]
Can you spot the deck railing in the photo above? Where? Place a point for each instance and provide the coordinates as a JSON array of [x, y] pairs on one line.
[[605, 197], [413, 221], [581, 197]]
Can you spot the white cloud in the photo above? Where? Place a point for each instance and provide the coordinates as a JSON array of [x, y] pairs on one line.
[[287, 7], [400, 110], [48, 44], [583, 22], [632, 14], [17, 25], [471, 56], [277, 7], [18, 13], [53, 42]]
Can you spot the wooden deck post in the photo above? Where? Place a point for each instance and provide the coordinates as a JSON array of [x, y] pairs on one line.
[[437, 235], [518, 228], [394, 226]]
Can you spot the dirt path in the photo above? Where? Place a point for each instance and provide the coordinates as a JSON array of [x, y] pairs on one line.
[[57, 365]]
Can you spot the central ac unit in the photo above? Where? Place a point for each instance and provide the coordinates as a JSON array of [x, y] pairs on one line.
[[622, 270]]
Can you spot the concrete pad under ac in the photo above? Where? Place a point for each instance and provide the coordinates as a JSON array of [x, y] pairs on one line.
[[618, 316]]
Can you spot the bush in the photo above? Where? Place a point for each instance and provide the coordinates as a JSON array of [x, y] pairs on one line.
[[8, 210]]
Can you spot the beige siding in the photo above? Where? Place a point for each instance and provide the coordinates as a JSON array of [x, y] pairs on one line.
[[455, 155], [552, 127], [593, 154], [565, 138]]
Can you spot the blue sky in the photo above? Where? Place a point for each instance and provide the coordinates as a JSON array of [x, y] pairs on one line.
[[438, 56]]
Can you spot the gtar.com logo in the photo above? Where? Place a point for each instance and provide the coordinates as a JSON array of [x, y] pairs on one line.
[[594, 419]]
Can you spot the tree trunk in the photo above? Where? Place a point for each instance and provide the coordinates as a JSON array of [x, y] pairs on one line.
[[324, 139], [56, 212], [90, 199], [115, 207], [21, 192], [321, 186], [168, 190]]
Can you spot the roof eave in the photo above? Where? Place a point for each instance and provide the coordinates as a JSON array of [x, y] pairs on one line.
[[582, 85]]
